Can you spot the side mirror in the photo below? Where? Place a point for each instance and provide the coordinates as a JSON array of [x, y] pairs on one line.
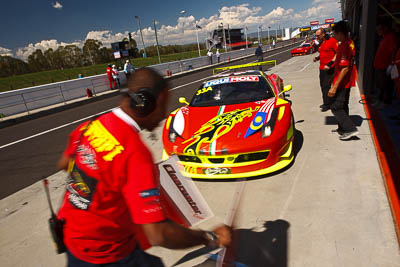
[[183, 101], [287, 88]]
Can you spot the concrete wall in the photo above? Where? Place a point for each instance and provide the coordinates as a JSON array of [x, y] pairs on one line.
[[23, 100]]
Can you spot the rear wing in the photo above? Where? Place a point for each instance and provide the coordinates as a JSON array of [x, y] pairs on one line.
[[270, 62]]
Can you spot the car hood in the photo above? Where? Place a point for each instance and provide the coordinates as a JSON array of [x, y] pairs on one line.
[[218, 129], [299, 49]]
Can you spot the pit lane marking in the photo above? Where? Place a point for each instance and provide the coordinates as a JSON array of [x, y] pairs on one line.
[[304, 67], [179, 86], [70, 123], [289, 199]]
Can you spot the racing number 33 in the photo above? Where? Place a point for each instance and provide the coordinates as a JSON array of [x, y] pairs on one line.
[[203, 90]]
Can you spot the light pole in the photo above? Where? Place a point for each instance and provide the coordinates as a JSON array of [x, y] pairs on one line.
[[197, 35], [141, 35], [158, 51], [245, 31], [268, 35], [259, 40], [223, 34], [229, 37]]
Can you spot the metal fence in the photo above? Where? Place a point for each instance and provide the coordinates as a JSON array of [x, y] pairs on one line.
[[28, 99]]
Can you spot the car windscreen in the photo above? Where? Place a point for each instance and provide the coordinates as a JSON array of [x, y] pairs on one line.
[[305, 45], [232, 90]]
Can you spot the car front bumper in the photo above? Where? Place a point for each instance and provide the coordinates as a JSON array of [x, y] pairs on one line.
[[208, 167]]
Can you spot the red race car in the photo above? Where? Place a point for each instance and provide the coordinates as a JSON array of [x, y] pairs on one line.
[[303, 49], [237, 125]]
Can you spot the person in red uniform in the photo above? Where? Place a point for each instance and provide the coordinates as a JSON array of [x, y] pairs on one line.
[[344, 79], [110, 78], [383, 58], [327, 53], [112, 190], [397, 84]]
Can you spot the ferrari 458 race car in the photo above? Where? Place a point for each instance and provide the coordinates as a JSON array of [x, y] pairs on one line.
[[238, 124], [303, 49]]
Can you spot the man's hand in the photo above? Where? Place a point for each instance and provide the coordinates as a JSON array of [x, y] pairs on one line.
[[332, 91], [315, 59], [326, 67], [224, 234]]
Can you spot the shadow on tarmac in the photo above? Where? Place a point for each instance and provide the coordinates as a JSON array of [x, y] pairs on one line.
[[297, 145], [252, 247], [357, 120]]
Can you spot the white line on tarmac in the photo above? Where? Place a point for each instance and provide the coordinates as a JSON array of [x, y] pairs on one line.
[[305, 67], [51, 130], [294, 61], [289, 199], [179, 86], [65, 125]]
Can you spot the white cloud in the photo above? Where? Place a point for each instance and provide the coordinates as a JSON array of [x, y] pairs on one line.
[[24, 52], [106, 37], [184, 30], [5, 52], [57, 5]]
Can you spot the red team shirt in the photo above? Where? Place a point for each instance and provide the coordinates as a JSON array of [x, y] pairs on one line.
[[327, 51], [387, 48], [111, 189], [344, 58], [109, 72]]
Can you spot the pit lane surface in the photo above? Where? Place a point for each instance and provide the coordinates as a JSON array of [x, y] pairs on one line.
[[24, 163], [328, 209]]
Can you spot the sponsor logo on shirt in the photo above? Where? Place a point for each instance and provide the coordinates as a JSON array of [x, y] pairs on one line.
[[87, 156], [149, 193], [102, 140], [153, 202], [80, 187]]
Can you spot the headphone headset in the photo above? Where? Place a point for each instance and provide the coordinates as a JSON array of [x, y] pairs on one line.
[[143, 101]]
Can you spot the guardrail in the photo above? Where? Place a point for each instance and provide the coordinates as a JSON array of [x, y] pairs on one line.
[[28, 99]]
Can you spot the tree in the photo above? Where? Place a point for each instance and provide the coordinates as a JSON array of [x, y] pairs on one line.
[[58, 58], [49, 55], [12, 66], [72, 56], [37, 61], [105, 55], [132, 43], [91, 51]]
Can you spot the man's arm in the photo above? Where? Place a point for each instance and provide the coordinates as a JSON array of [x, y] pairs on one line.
[[334, 87], [171, 235], [330, 64], [62, 163]]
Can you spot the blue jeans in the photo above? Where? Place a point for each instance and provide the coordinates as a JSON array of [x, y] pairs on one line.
[[137, 258]]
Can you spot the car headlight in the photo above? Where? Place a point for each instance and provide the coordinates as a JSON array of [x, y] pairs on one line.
[[268, 128], [173, 134], [177, 126], [266, 131], [172, 137]]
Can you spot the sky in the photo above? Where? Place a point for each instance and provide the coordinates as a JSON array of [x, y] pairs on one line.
[[41, 24]]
